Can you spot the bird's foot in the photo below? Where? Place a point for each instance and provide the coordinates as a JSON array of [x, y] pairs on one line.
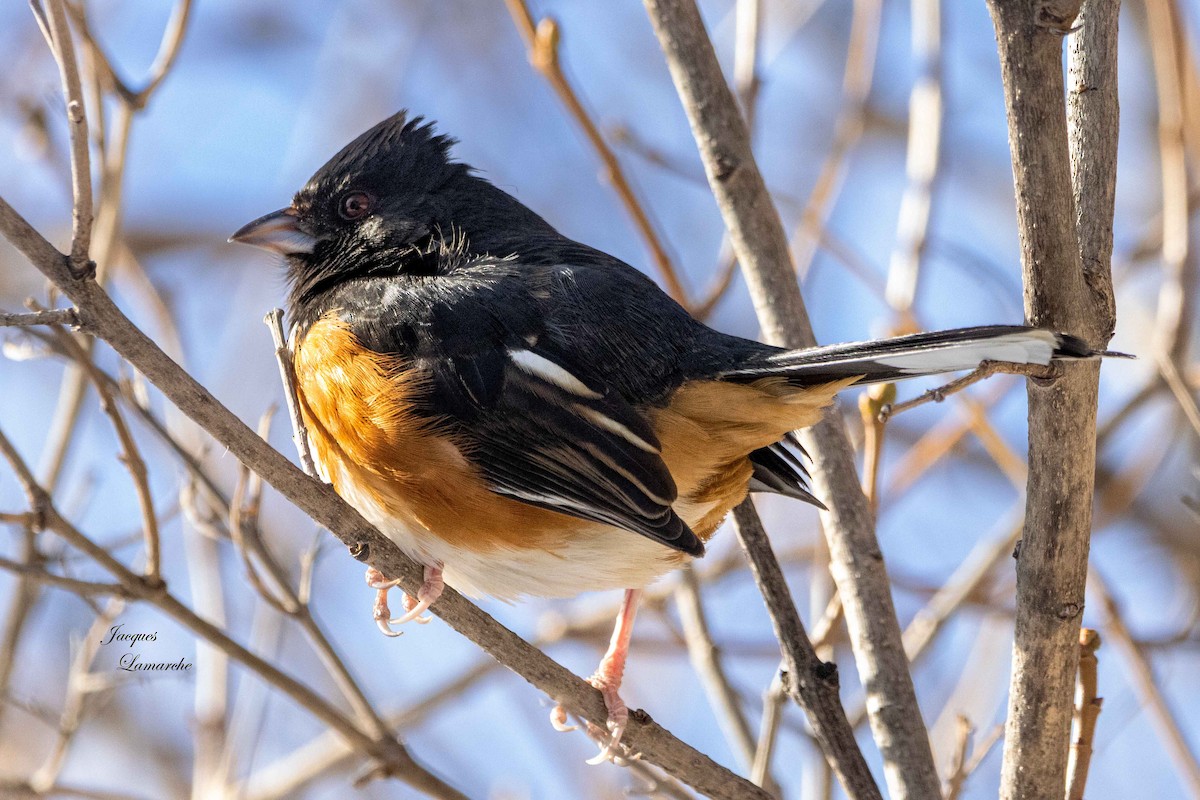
[[414, 609], [608, 680], [609, 737], [611, 748]]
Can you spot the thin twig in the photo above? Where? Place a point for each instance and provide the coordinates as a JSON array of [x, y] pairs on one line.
[[812, 683], [58, 316], [1087, 712], [1165, 33], [985, 370], [747, 83], [871, 405], [856, 87], [956, 592], [1180, 391], [963, 769], [130, 455], [924, 154], [287, 373], [542, 38], [243, 526], [42, 575], [168, 51], [773, 701], [706, 661], [940, 440], [81, 170], [957, 775], [386, 750], [81, 685]]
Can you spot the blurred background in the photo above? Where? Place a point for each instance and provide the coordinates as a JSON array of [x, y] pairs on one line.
[[262, 93]]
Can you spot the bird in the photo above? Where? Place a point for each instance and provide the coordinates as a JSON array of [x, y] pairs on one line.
[[525, 415]]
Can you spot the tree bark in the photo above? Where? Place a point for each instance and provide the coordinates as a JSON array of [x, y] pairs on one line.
[[1059, 294]]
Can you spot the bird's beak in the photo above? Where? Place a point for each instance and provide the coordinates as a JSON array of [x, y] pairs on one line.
[[280, 232]]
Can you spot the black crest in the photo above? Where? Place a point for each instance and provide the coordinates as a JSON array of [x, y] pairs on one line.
[[396, 151]]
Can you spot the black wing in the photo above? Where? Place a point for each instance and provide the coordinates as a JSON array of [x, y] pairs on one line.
[[542, 436]]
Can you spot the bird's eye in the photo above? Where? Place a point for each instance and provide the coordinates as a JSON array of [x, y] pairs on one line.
[[354, 205]]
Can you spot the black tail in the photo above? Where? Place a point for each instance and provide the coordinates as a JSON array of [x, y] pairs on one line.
[[916, 355], [780, 471]]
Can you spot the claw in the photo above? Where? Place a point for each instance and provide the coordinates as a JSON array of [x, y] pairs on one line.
[[611, 748], [430, 591], [376, 580], [411, 605], [558, 720], [382, 613]]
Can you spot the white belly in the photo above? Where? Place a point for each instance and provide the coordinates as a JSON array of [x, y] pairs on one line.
[[598, 557]]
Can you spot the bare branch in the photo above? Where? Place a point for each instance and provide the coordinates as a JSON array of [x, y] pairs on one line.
[[287, 373], [130, 455], [961, 766], [758, 239], [385, 749], [873, 405], [1149, 694], [958, 762], [985, 370], [856, 87], [773, 700], [706, 660], [1061, 295], [77, 693], [168, 50], [811, 682], [81, 169], [1087, 711], [924, 153], [42, 575], [58, 316]]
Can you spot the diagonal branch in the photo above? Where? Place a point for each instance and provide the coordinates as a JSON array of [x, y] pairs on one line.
[[99, 314], [810, 681], [761, 245]]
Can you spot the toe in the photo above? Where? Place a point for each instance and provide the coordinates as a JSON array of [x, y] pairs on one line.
[[558, 720]]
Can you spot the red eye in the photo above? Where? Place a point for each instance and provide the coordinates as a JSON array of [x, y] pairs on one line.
[[355, 205]]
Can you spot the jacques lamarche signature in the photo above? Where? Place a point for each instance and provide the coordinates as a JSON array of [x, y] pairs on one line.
[[132, 662]]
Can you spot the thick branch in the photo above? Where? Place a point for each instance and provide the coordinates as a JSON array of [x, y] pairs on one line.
[[1052, 565], [761, 246]]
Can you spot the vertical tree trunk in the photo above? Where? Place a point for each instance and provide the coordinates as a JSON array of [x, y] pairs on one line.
[[1059, 294]]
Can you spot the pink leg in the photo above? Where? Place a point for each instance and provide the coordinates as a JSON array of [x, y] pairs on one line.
[[608, 680], [430, 591]]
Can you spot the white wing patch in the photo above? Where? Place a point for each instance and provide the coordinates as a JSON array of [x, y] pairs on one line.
[[611, 425], [540, 367], [1032, 347]]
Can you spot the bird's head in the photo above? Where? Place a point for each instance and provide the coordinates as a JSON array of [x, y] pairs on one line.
[[384, 197]]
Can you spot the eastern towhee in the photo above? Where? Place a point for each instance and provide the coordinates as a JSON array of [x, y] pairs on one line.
[[525, 415]]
